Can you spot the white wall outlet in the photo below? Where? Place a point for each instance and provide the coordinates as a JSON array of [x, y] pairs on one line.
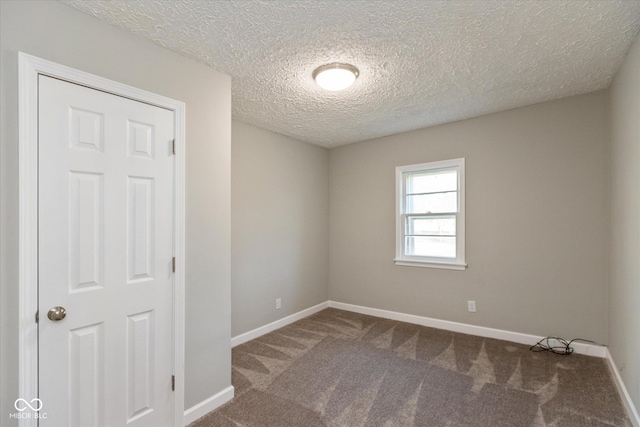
[[472, 306], [278, 303]]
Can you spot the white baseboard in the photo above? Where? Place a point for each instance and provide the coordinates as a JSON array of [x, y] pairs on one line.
[[208, 405], [580, 348], [624, 394], [248, 336]]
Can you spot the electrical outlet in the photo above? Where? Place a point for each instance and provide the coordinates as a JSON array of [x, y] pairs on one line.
[[472, 306], [278, 303]]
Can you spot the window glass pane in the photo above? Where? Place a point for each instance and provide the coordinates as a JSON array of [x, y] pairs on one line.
[[439, 226], [432, 203], [442, 247], [431, 182]]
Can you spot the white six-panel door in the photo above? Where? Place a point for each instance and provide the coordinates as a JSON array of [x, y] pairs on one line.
[[105, 217]]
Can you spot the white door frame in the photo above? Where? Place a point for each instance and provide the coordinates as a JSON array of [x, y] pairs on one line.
[[30, 67]]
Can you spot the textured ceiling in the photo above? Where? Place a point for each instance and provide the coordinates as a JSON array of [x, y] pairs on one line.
[[421, 63]]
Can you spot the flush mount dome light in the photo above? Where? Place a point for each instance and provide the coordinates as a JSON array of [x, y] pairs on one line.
[[335, 77]]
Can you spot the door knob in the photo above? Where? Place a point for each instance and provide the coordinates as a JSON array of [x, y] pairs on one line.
[[56, 313]]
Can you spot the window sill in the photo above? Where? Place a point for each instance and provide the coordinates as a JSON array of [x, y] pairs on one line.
[[430, 264]]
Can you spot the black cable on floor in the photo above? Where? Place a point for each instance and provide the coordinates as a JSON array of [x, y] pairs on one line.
[[562, 346]]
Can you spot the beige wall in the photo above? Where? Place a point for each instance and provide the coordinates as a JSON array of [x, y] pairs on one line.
[[624, 290], [279, 228], [536, 221], [55, 32]]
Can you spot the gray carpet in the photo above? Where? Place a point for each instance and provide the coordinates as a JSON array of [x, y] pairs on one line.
[[338, 368]]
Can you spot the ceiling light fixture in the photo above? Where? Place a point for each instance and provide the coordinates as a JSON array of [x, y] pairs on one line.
[[335, 77]]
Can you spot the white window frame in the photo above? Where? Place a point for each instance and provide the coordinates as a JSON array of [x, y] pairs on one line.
[[457, 263]]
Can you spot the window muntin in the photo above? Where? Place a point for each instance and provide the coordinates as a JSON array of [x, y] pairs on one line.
[[430, 214]]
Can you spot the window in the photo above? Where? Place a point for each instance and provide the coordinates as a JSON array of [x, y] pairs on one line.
[[430, 215]]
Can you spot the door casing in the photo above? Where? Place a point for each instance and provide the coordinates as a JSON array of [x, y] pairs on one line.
[[29, 67]]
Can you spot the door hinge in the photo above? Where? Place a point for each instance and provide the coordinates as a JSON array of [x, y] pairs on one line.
[[173, 383], [173, 146], [37, 316], [173, 264]]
